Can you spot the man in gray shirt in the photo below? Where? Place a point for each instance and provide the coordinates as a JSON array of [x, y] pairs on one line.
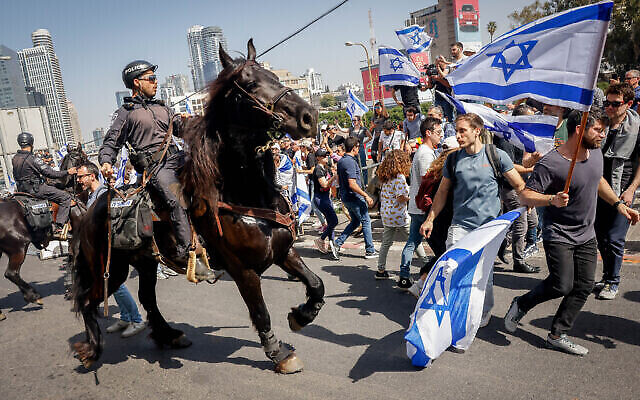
[[411, 127], [568, 229]]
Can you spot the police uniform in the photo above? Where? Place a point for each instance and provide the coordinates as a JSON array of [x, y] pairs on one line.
[[30, 172], [144, 125]]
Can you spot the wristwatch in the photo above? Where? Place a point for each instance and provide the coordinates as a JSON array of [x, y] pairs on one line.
[[617, 203]]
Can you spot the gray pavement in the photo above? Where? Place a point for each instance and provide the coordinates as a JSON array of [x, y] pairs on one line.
[[355, 348]]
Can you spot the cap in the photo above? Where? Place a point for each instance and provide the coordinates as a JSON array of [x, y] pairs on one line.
[[275, 146], [321, 152], [450, 143]]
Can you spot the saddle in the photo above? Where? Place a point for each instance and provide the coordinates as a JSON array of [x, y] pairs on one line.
[[37, 212]]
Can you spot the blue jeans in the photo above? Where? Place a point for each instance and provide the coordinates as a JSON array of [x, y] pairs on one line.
[[314, 208], [323, 203], [414, 240], [363, 163], [128, 308], [359, 213], [611, 231]]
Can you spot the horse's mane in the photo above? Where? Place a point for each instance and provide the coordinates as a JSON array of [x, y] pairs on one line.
[[201, 176]]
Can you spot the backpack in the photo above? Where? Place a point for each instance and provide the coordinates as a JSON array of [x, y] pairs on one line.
[[494, 160], [131, 221], [428, 188]]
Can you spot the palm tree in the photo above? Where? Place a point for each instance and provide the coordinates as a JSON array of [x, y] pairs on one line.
[[491, 28]]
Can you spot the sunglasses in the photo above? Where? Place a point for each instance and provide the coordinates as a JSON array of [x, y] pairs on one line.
[[614, 104], [82, 176], [150, 78]]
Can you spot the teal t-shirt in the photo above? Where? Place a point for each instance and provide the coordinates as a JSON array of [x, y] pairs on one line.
[[476, 197]]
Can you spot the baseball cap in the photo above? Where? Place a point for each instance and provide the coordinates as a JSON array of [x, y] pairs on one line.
[[321, 153], [450, 143], [275, 146]]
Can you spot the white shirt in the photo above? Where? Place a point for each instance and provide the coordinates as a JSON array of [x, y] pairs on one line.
[[422, 160]]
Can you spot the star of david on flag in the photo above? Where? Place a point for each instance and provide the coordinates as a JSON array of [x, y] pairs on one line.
[[396, 69], [355, 106], [449, 309], [414, 39], [554, 60]]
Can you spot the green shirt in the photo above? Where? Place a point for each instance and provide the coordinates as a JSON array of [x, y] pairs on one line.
[[561, 135]]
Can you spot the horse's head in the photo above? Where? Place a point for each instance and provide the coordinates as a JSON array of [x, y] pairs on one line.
[[75, 157], [254, 97]]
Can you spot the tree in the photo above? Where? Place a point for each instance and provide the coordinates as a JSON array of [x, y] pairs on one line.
[[491, 28], [622, 48], [327, 100]]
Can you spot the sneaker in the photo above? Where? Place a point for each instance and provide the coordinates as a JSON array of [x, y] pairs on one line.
[[168, 271], [161, 275], [335, 250], [320, 246], [405, 283], [368, 255], [514, 315], [382, 275], [531, 250], [599, 286], [564, 344], [608, 292], [322, 228], [416, 288], [133, 329], [118, 326], [526, 268]]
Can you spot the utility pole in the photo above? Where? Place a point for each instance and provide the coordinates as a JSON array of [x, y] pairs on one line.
[[372, 40]]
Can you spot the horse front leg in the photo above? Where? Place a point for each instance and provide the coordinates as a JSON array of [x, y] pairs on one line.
[[90, 350], [12, 273], [305, 313], [284, 358], [161, 333]]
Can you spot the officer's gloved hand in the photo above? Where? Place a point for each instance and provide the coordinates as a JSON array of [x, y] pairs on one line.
[[107, 170]]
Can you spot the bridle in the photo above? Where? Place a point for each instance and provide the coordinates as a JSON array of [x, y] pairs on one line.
[[268, 107]]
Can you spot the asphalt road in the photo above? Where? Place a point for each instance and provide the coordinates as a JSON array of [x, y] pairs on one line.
[[355, 348]]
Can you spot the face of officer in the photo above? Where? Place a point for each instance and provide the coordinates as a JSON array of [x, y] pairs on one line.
[[146, 84]]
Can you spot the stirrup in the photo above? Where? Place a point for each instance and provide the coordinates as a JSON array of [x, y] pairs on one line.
[[192, 265]]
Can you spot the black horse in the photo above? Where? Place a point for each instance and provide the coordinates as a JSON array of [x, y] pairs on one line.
[[16, 235], [235, 207]]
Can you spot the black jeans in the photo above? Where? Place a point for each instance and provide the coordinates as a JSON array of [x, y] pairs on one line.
[[60, 197], [572, 270], [611, 232]]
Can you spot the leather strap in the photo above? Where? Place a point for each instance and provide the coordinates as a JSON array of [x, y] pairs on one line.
[[286, 220]]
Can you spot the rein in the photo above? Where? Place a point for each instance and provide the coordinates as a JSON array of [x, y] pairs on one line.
[[287, 220], [105, 272]]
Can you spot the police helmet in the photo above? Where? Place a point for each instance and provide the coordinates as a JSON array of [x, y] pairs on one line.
[[25, 139], [134, 69]]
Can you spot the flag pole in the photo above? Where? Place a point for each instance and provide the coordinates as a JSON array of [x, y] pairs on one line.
[[583, 124]]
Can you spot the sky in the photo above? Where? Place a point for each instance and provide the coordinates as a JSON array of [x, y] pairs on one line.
[[95, 39]]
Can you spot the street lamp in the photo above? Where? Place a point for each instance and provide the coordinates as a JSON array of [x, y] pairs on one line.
[[373, 94]]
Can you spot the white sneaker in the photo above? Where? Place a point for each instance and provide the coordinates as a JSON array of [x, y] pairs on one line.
[[118, 326], [161, 275], [416, 288], [563, 343], [133, 329], [168, 271]]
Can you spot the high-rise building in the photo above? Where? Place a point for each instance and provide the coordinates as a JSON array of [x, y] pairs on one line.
[[75, 122], [165, 93], [12, 93], [98, 136], [203, 51], [120, 95], [314, 81], [179, 83], [41, 70], [35, 98]]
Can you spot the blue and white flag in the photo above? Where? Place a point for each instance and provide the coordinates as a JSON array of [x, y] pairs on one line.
[[12, 184], [414, 39], [188, 107], [554, 60], [530, 133], [301, 197], [396, 69], [449, 309], [355, 106], [121, 179], [60, 154]]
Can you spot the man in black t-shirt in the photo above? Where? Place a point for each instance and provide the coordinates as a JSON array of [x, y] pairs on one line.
[[569, 236], [409, 96]]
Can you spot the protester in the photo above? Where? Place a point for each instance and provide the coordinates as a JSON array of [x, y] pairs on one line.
[[363, 135], [621, 152], [569, 234], [632, 77], [431, 132], [390, 139], [356, 200], [380, 116], [411, 128], [130, 320], [469, 174], [448, 129], [394, 195], [322, 182], [440, 84], [409, 95]]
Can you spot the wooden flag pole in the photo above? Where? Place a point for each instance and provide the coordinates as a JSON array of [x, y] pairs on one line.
[[583, 124]]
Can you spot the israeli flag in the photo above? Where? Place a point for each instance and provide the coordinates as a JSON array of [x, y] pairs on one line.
[[396, 69], [554, 60], [120, 177], [188, 107], [12, 184], [301, 197], [449, 309], [414, 39], [530, 133], [355, 106], [60, 154]]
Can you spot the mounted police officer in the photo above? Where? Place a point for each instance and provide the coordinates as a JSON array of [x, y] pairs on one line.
[[143, 123], [30, 173]]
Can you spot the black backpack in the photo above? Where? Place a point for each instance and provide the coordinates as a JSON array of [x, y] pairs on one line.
[[494, 160]]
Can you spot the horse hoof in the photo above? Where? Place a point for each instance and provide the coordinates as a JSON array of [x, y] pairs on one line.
[[293, 324], [289, 365], [181, 342]]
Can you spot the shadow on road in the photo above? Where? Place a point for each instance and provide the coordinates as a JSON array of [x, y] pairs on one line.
[[219, 349], [16, 301], [632, 296]]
